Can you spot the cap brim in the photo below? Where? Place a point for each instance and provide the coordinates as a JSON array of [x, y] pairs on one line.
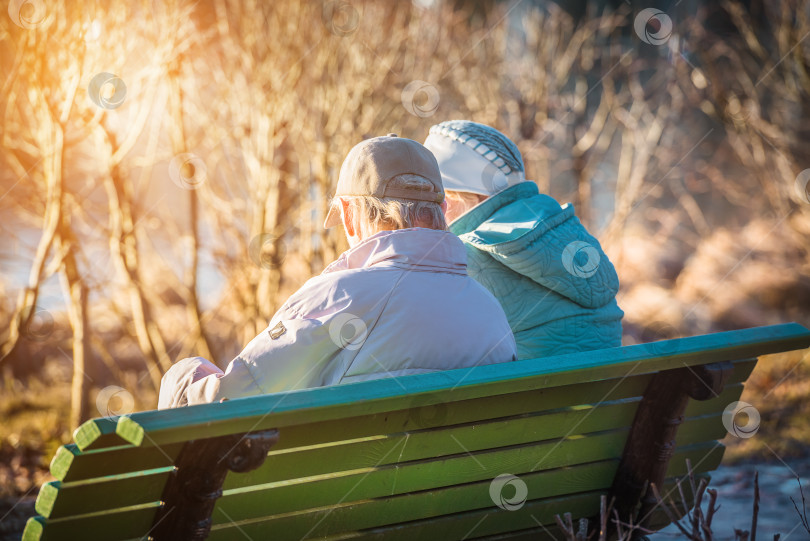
[[333, 218]]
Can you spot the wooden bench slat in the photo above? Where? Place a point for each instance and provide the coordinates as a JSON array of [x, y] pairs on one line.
[[390, 449], [71, 464], [410, 446], [317, 460], [455, 526], [63, 499], [435, 514], [134, 523], [422, 505], [429, 475], [417, 475], [57, 499], [350, 400], [421, 414], [551, 532], [416, 417], [542, 533], [98, 433], [121, 525], [437, 411]]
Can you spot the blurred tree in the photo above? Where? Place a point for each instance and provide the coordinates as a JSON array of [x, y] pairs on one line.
[[39, 109], [237, 114]]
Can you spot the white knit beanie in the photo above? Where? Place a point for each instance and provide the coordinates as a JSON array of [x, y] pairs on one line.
[[474, 157]]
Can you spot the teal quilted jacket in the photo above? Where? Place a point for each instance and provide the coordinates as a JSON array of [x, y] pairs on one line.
[[552, 278]]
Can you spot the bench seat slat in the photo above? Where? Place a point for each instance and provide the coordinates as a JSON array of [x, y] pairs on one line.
[[472, 437], [420, 414], [404, 447], [72, 464], [57, 499], [429, 475], [98, 433], [121, 525], [452, 440], [350, 400], [542, 533], [551, 532], [444, 506], [67, 498], [135, 523], [455, 526], [435, 411]]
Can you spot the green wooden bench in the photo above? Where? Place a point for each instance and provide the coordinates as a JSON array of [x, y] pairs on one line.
[[416, 457]]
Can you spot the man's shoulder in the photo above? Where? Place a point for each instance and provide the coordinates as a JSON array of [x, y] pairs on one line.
[[337, 287]]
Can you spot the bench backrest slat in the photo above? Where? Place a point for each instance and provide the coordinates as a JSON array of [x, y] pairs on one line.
[[72, 464], [342, 401]]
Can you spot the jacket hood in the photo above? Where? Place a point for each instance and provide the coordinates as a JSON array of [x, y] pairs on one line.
[[415, 248], [536, 237]]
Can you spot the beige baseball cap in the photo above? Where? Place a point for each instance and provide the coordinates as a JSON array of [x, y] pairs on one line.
[[372, 164]]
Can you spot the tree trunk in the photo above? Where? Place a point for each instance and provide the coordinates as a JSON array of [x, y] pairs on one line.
[[26, 304], [199, 339], [123, 246], [76, 299]]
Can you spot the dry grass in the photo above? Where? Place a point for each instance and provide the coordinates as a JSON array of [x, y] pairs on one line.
[[778, 388], [36, 422]]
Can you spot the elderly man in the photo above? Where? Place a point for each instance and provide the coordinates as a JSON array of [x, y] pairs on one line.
[[398, 302], [551, 276]]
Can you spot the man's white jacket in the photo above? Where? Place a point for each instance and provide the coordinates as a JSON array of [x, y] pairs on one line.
[[398, 303]]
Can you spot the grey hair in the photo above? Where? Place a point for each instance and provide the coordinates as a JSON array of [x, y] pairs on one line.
[[371, 214]]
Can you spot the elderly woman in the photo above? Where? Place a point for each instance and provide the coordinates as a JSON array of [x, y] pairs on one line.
[[551, 276], [398, 302]]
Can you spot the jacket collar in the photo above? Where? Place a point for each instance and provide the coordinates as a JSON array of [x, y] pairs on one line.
[[416, 248], [480, 213]]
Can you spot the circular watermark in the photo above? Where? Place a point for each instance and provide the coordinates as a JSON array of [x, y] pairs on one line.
[[348, 331], [516, 484], [266, 251], [107, 90], [188, 171], [424, 413], [741, 419], [803, 185], [340, 17], [493, 179], [40, 324], [114, 400], [27, 14], [653, 26], [420, 98], [660, 338], [580, 259]]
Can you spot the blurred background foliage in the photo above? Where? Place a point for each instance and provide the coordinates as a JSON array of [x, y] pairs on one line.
[[174, 219]]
